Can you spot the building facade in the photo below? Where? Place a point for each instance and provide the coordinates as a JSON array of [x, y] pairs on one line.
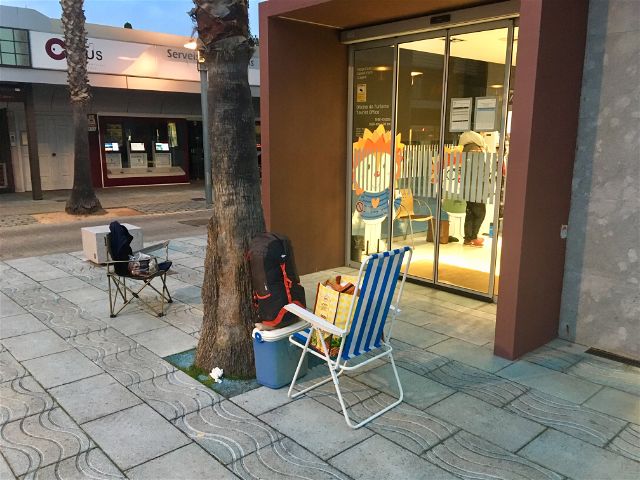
[[389, 98], [145, 124]]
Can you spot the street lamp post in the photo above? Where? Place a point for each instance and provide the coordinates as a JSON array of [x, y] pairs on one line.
[[204, 106]]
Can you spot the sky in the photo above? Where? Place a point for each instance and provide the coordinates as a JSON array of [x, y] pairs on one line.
[[166, 16]]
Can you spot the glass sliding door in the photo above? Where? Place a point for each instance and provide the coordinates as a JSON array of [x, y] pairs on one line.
[[472, 166], [430, 138], [418, 114], [372, 208]]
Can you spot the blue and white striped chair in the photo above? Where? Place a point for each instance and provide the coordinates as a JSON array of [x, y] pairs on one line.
[[373, 302]]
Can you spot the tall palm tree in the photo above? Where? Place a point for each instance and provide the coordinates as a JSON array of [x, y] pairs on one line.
[[83, 198], [225, 341]]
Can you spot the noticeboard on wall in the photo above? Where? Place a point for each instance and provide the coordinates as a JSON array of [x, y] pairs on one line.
[[460, 114]]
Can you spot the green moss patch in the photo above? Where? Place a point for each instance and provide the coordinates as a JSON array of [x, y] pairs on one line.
[[230, 387]]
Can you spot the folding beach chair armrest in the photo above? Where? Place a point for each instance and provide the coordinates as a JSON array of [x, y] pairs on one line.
[[314, 320]]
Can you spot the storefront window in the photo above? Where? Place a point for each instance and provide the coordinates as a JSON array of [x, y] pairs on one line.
[[143, 147]]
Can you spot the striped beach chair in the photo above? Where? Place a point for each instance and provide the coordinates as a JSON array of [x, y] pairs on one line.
[[368, 331]]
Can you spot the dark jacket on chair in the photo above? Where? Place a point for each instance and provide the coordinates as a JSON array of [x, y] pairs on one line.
[[120, 244]]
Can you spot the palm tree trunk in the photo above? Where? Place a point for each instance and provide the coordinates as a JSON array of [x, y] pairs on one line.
[[225, 339], [83, 198]]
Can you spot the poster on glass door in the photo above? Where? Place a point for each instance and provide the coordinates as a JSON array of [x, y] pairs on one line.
[[460, 114]]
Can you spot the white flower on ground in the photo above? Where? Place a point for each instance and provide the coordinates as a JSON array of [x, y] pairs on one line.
[[216, 374]]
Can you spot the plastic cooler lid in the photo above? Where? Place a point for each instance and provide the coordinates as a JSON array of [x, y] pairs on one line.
[[280, 333]]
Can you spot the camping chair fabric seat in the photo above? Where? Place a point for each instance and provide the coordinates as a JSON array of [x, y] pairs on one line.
[[366, 336], [117, 280]]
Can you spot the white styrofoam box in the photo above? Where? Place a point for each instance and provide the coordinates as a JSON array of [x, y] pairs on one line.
[[93, 244]]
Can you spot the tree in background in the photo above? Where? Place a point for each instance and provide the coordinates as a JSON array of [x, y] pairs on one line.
[[225, 339], [83, 198]]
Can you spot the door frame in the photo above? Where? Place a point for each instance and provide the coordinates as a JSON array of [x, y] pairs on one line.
[[446, 33]]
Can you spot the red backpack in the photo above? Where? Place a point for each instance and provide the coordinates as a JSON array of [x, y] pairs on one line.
[[274, 279]]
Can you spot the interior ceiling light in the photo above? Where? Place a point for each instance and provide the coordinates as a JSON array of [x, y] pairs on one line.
[[415, 74], [382, 68], [496, 85]]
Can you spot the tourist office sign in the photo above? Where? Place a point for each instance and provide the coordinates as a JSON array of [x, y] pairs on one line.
[[122, 58]]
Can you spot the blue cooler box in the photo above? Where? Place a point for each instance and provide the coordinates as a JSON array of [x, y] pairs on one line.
[[276, 357]]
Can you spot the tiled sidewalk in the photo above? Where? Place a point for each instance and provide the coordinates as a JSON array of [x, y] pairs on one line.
[[83, 395]]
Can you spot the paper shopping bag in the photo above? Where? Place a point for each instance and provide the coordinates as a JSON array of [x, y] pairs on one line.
[[333, 301]]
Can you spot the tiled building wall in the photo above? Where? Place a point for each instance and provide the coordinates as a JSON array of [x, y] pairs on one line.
[[601, 294]]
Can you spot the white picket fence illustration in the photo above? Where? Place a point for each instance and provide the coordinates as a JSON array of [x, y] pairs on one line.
[[470, 176]]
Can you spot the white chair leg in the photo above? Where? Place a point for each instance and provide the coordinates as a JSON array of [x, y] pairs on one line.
[[297, 372], [380, 412]]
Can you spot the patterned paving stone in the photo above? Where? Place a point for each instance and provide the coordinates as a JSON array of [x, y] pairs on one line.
[[353, 391], [311, 425], [175, 394], [552, 358], [588, 425], [8, 307], [35, 344], [469, 354], [40, 440], [284, 459], [498, 426], [574, 458], [416, 359], [470, 457], [612, 374], [134, 436], [85, 295], [5, 470], [416, 336], [93, 397], [405, 425], [90, 465], [135, 366], [550, 381], [627, 443], [419, 391], [188, 462], [10, 368], [60, 368], [132, 321], [616, 403], [64, 317], [99, 344], [227, 432], [188, 275], [30, 295], [70, 283], [477, 383], [16, 220], [165, 341], [11, 281], [80, 270], [188, 319], [37, 269], [21, 398], [189, 249], [379, 459], [20, 325], [261, 400]]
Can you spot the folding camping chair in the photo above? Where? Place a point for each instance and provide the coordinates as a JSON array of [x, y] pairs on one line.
[[365, 333], [118, 287]]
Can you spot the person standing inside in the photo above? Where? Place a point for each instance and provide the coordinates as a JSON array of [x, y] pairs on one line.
[[474, 216]]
